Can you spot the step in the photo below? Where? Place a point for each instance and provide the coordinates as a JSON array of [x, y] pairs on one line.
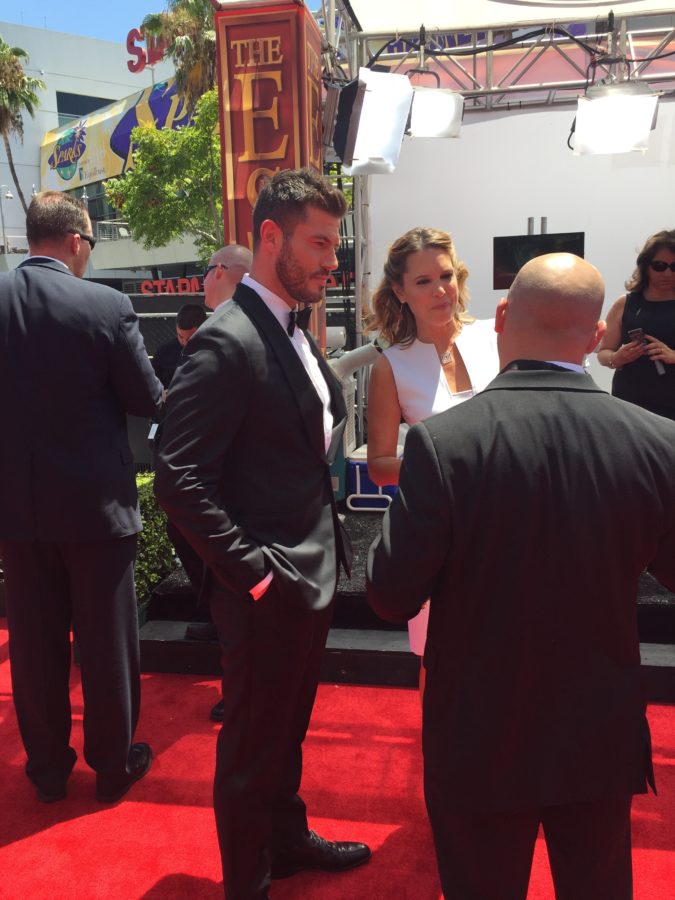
[[358, 656]]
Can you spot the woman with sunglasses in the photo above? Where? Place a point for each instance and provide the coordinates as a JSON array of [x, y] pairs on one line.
[[640, 339]]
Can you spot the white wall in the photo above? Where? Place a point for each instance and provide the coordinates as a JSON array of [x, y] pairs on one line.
[[510, 165], [507, 166]]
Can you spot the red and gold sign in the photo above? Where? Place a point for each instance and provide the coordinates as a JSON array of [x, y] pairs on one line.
[[269, 64]]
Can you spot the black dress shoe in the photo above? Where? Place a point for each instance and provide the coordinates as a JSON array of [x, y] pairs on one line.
[[317, 853], [201, 631], [51, 794], [111, 788], [217, 714]]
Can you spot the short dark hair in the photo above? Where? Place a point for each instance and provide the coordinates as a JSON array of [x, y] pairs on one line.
[[191, 315], [52, 214], [287, 195], [662, 240]]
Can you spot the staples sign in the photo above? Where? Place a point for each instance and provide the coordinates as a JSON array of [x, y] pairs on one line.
[[152, 53]]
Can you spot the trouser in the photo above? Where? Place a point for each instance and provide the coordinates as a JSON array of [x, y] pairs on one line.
[[89, 585], [271, 657], [482, 857]]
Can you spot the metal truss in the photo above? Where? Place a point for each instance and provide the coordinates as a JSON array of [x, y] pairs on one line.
[[537, 66]]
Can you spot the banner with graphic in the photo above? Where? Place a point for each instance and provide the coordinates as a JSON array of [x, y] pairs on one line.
[[98, 146], [269, 68]]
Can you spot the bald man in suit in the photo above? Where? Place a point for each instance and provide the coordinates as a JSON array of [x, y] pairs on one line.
[[527, 515]]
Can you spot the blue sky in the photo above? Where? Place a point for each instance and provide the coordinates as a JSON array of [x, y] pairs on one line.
[[110, 21]]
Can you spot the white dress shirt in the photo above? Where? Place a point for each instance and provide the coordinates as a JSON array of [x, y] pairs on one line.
[[281, 312]]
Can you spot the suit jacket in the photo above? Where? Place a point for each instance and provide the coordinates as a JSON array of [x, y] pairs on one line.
[[72, 365], [527, 515], [242, 469]]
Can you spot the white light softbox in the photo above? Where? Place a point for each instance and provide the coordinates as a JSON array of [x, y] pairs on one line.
[[377, 123]]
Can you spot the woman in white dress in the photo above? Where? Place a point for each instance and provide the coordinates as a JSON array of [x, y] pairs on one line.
[[437, 354]]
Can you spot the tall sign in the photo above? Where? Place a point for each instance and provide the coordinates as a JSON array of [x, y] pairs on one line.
[[269, 70]]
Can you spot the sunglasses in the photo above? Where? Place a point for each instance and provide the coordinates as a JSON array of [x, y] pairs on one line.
[[212, 267], [85, 237], [658, 265]]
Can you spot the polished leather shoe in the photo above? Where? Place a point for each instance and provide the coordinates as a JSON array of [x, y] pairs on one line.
[[201, 631], [217, 714], [110, 789], [317, 853]]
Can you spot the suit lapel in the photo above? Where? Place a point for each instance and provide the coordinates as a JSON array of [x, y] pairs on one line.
[[302, 389], [337, 402]]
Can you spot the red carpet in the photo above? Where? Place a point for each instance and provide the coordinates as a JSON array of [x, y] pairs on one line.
[[362, 781]]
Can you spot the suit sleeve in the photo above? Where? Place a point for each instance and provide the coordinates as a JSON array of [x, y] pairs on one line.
[[405, 560], [207, 403], [662, 566], [134, 381]]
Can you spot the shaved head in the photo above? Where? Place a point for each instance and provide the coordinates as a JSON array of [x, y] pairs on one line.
[[231, 264], [233, 255], [552, 310]]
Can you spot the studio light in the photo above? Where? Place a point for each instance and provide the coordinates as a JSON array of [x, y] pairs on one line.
[[377, 123], [436, 112], [614, 118]]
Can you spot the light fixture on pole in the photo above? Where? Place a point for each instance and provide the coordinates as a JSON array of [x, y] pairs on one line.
[[8, 195], [436, 112], [376, 123], [615, 118]]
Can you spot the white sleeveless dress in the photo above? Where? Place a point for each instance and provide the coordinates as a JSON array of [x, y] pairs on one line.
[[423, 391]]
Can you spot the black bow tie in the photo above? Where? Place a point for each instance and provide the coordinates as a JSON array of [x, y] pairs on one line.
[[299, 317]]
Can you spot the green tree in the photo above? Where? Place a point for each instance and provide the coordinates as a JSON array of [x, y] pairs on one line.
[[188, 29], [174, 187], [18, 94]]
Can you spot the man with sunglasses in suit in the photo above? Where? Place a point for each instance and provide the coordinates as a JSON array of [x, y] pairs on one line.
[[72, 365], [225, 270]]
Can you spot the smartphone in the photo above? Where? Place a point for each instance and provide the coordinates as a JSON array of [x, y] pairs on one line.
[[637, 334]]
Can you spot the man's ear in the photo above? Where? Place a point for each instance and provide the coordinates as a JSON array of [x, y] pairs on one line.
[[598, 334], [500, 314], [271, 235]]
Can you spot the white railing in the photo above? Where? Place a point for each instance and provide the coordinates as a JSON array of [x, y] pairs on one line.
[[112, 230]]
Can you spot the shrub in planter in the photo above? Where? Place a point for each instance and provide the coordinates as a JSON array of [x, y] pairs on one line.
[[156, 557]]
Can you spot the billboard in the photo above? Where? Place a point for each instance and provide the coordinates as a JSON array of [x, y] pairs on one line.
[[98, 146]]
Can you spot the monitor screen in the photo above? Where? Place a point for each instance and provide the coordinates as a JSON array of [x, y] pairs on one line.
[[512, 252]]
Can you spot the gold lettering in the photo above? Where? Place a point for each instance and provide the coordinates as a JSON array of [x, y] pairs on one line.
[[249, 114], [255, 183], [264, 51]]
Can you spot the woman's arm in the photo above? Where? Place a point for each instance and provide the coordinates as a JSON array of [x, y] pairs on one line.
[[612, 353], [384, 417]]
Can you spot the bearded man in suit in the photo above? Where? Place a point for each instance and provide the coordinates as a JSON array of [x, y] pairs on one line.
[[527, 515], [72, 365], [254, 419]]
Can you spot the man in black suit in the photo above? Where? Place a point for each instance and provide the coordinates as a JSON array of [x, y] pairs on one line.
[[72, 364], [527, 515], [254, 419]]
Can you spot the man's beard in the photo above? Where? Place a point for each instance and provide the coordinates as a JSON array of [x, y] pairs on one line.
[[294, 278]]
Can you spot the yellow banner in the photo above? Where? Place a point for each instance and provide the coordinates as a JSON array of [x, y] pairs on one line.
[[98, 146]]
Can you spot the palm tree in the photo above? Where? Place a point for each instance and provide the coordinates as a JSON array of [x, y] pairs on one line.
[[187, 27], [18, 94]]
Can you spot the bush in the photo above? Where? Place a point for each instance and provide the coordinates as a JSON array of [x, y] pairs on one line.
[[156, 557]]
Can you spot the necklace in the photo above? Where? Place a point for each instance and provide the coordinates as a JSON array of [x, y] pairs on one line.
[[446, 357]]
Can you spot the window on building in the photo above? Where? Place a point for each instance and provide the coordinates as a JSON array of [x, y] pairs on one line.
[[75, 106]]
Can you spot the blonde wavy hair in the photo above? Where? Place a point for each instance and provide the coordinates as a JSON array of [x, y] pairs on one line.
[[392, 319]]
